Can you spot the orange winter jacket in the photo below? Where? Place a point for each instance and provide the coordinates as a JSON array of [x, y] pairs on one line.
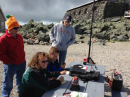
[[12, 49]]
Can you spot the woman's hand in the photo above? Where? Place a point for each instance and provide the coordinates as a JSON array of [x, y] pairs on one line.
[[61, 79], [63, 72]]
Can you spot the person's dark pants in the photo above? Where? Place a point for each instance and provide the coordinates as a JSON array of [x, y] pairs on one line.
[[9, 71], [62, 57], [30, 92]]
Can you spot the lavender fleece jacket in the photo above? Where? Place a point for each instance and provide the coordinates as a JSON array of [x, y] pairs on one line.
[[62, 36]]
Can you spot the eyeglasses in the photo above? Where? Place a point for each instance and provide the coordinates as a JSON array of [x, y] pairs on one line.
[[15, 28], [45, 61], [67, 22]]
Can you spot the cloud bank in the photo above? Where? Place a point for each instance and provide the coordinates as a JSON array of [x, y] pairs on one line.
[[46, 11]]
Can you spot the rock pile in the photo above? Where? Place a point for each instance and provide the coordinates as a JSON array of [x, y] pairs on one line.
[[116, 30], [113, 30], [35, 33]]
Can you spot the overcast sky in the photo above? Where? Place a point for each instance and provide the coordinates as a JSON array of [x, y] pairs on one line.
[[46, 11]]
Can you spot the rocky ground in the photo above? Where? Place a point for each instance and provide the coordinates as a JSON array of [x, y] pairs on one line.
[[112, 56]]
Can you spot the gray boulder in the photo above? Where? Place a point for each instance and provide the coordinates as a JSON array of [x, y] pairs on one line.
[[77, 27], [86, 32], [31, 35], [41, 43], [50, 26], [127, 28], [24, 40], [43, 37], [21, 32], [101, 42], [30, 41], [95, 31], [36, 41], [122, 38], [46, 43], [103, 35], [35, 24], [29, 31], [40, 36], [115, 20], [74, 22], [129, 34], [26, 27], [35, 30], [46, 38], [45, 29], [113, 36], [40, 27], [88, 21], [105, 26], [28, 36], [31, 21], [114, 39], [24, 35]]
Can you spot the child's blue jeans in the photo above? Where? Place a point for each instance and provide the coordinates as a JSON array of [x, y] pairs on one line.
[[9, 71]]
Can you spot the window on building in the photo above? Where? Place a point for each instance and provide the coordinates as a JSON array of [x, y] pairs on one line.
[[74, 13], [85, 11], [79, 12], [2, 25]]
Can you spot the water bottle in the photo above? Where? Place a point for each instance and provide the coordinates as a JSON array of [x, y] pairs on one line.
[[84, 59]]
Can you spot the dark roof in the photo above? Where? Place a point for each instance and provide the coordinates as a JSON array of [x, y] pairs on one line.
[[82, 5], [126, 1], [2, 13]]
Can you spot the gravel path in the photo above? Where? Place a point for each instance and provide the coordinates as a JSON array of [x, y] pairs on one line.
[[112, 56]]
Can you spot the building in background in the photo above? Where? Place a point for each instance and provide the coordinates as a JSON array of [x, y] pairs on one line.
[[2, 20], [104, 9]]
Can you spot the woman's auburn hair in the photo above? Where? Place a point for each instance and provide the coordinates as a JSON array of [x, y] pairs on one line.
[[34, 63]]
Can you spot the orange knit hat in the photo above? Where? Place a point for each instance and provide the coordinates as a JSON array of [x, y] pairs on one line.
[[11, 22]]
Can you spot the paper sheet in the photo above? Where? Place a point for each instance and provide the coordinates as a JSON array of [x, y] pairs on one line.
[[78, 94], [67, 72], [63, 82]]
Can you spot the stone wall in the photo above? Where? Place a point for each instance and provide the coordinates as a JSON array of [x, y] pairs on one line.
[[114, 9], [103, 10]]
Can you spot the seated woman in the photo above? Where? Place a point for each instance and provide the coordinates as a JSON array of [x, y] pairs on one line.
[[36, 79]]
